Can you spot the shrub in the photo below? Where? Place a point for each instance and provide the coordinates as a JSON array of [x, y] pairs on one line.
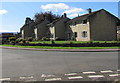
[[45, 39], [12, 42], [52, 42], [19, 40], [30, 39], [71, 42], [23, 41], [57, 38], [12, 38]]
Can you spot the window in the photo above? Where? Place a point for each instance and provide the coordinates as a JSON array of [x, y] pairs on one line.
[[85, 21], [84, 34], [75, 23]]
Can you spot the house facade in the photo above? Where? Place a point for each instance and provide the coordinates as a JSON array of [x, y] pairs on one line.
[[95, 26], [27, 29], [41, 30], [58, 28]]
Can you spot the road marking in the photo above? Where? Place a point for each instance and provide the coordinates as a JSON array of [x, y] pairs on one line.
[[113, 75], [95, 76], [118, 70], [75, 77], [106, 71], [43, 75], [70, 74], [4, 79], [89, 72], [53, 79], [26, 77]]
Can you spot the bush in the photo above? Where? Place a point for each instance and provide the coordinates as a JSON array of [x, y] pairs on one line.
[[19, 40], [52, 42], [23, 41], [30, 39], [45, 39], [12, 38]]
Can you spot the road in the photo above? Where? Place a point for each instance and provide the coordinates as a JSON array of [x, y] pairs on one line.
[[26, 62]]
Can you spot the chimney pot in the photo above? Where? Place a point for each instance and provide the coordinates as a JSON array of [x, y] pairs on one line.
[[89, 10], [65, 15]]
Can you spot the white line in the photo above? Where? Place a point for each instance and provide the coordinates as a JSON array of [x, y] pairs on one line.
[[3, 79], [26, 77], [118, 70], [53, 79], [113, 75], [89, 72], [70, 74], [75, 77], [43, 75], [95, 76], [106, 71]]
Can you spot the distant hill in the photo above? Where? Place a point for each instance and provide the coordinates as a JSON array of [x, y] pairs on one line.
[[9, 32]]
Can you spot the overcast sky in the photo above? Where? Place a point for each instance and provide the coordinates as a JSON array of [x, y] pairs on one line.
[[13, 14]]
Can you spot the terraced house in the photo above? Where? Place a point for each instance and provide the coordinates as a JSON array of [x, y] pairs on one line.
[[95, 26]]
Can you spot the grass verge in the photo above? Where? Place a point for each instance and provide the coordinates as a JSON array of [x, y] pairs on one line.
[[75, 42], [49, 47]]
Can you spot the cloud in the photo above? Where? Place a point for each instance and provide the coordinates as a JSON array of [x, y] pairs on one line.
[[3, 12], [73, 15], [64, 8], [74, 10], [55, 7]]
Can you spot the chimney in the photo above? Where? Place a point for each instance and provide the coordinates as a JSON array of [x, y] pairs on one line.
[[89, 10], [65, 15]]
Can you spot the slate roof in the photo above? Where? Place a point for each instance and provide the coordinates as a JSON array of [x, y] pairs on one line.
[[83, 17]]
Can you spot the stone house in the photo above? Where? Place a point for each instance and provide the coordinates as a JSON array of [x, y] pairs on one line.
[[118, 32], [41, 30], [58, 28], [94, 26], [27, 29]]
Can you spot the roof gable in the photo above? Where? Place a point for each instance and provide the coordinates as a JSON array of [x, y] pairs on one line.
[[85, 16]]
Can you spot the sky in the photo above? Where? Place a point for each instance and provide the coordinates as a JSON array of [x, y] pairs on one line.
[[13, 14]]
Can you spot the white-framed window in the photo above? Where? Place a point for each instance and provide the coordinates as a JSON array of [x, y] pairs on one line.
[[84, 21], [84, 34]]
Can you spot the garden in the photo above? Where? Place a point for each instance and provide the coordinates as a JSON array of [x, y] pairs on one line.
[[51, 44]]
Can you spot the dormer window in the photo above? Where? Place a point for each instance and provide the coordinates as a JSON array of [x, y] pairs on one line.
[[84, 21]]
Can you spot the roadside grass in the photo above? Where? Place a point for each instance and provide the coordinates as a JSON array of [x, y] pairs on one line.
[[74, 42], [49, 47]]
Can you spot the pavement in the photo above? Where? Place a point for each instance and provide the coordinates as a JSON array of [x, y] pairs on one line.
[[64, 50], [104, 71]]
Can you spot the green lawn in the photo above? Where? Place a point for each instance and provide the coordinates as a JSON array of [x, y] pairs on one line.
[[48, 47], [75, 42]]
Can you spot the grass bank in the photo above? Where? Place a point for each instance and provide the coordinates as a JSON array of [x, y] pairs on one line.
[[48, 47]]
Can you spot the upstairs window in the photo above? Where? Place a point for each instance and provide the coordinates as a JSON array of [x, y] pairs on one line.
[[84, 34], [85, 21]]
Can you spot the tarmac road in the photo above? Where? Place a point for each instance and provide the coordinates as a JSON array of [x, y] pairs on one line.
[[27, 62]]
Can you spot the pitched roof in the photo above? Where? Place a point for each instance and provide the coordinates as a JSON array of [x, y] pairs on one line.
[[83, 17], [59, 20]]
